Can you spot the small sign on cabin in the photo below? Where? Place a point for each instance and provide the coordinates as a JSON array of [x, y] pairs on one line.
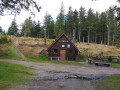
[[63, 49]]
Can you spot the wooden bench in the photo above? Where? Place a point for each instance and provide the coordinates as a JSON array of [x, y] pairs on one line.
[[102, 64], [107, 58], [51, 58]]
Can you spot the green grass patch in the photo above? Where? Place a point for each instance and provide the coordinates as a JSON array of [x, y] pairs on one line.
[[11, 54], [116, 65], [46, 60], [82, 57], [110, 83], [11, 73]]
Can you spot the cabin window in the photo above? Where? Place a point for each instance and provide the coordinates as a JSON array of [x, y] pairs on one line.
[[68, 46], [55, 50], [63, 45], [70, 51]]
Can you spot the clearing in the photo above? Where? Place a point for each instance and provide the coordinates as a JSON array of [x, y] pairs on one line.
[[51, 76], [31, 47]]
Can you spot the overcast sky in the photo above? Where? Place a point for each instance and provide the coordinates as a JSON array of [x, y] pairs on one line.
[[53, 8]]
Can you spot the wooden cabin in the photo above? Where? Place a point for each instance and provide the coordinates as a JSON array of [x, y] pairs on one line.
[[63, 49]]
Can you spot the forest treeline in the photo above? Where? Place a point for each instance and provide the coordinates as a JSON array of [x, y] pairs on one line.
[[79, 26]]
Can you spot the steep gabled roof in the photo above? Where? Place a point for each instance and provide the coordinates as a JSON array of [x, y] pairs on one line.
[[58, 39]]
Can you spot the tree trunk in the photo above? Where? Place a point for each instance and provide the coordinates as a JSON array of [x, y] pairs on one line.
[[91, 34], [79, 35], [108, 40], [83, 40], [101, 37], [105, 42], [73, 34], [25, 34], [95, 37], [113, 39], [104, 38], [48, 35], [88, 37]]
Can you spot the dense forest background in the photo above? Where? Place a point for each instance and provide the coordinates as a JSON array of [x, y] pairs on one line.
[[79, 26]]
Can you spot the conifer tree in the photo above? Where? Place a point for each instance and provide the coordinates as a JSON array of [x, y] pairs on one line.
[[13, 29], [60, 22]]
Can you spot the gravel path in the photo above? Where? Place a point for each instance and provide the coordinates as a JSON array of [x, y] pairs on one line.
[[42, 67], [44, 70]]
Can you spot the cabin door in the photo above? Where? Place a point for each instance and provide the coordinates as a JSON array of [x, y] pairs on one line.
[[62, 54]]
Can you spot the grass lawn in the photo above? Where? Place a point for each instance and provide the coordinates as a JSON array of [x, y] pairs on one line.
[[116, 65], [46, 60], [11, 73], [110, 83]]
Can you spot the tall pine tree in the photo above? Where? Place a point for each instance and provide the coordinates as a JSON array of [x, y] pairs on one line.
[[48, 26], [60, 22], [13, 29], [82, 21]]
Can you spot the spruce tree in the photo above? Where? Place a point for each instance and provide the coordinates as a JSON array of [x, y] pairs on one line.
[[82, 22], [13, 29], [60, 22]]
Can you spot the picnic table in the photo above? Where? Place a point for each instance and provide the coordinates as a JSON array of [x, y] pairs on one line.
[[103, 61], [107, 58], [111, 58]]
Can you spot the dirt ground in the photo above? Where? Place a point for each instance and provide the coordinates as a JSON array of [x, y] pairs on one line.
[[63, 77]]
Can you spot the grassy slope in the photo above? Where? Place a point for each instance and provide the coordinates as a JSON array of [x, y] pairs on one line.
[[110, 83], [84, 48], [94, 49], [11, 73], [11, 54], [32, 51]]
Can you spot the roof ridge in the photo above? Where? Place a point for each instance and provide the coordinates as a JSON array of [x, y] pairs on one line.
[[55, 41], [58, 39]]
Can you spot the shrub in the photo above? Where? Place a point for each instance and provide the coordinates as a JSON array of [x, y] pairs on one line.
[[117, 45], [45, 40], [4, 40], [10, 40], [81, 57]]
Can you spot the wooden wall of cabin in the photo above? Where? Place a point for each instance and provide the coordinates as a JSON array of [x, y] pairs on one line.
[[70, 52]]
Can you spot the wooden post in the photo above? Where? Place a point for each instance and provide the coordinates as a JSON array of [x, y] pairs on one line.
[[58, 59], [118, 59], [51, 58]]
